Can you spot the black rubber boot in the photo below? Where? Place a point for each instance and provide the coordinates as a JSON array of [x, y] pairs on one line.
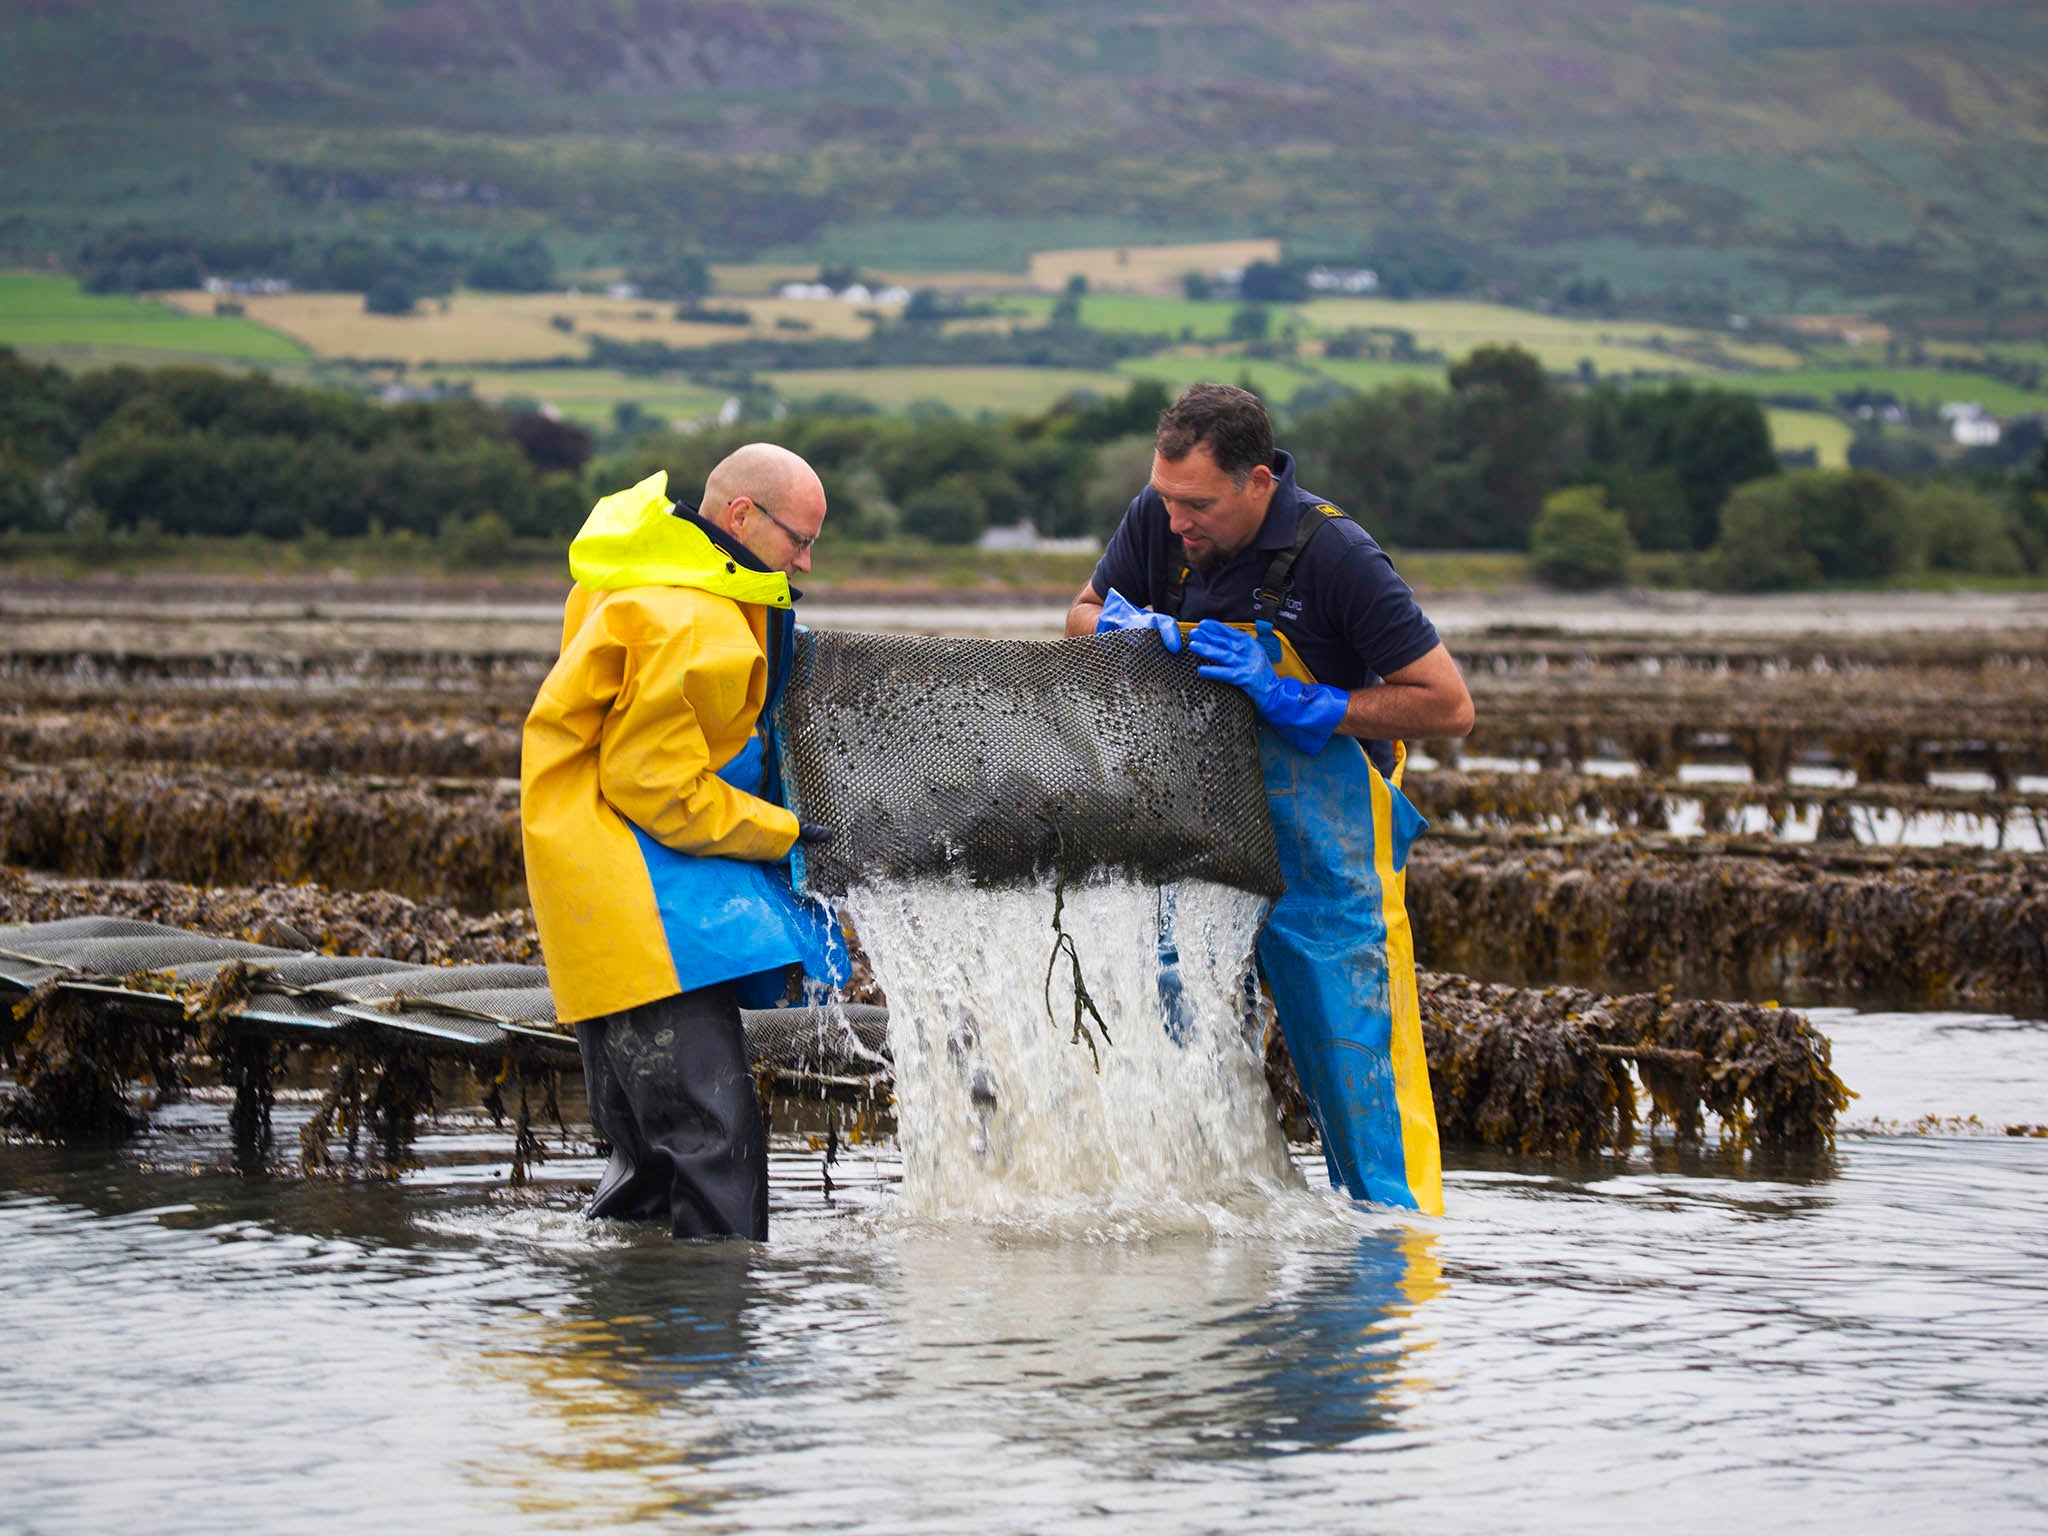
[[671, 1089]]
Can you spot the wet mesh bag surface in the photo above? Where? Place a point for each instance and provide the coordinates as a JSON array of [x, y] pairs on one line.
[[1010, 760]]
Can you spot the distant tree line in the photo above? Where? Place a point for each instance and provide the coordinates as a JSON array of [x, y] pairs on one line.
[[194, 451], [1502, 457], [911, 342], [1468, 467], [137, 259], [395, 272], [1815, 526], [1405, 262], [1505, 458], [1070, 470]]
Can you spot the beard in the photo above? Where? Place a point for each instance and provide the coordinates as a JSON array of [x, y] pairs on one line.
[[1204, 559]]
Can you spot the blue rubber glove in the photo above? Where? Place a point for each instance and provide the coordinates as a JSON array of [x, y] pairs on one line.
[[1304, 715], [1118, 614]]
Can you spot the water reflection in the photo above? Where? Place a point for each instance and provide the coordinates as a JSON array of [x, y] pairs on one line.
[[1709, 1159], [1185, 1346], [1349, 1344], [666, 1379], [621, 1378]]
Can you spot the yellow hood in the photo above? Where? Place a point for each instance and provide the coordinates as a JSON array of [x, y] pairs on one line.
[[632, 539]]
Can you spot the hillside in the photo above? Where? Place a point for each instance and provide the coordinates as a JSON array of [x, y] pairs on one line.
[[1754, 154]]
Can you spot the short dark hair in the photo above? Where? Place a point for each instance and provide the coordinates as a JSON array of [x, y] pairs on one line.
[[1231, 422]]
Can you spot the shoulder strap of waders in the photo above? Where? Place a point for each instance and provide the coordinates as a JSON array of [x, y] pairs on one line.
[[1173, 577], [777, 647], [1272, 592]]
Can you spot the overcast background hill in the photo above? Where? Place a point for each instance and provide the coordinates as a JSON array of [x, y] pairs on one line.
[[1748, 154]]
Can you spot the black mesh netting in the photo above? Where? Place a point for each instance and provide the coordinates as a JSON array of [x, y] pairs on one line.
[[456, 1010], [852, 1038], [1012, 760]]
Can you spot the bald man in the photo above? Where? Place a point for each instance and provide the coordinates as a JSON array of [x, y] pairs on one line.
[[650, 806]]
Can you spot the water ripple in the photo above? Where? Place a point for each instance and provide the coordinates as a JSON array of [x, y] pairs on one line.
[[1675, 1338]]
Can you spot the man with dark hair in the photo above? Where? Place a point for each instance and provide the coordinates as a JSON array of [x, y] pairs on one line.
[[1281, 594], [1230, 423], [654, 830]]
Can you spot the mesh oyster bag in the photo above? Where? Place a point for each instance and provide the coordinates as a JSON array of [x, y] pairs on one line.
[[1010, 761]]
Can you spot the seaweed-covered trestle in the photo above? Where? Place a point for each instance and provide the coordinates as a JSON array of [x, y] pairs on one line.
[[1715, 919], [1537, 1071], [103, 1005], [1578, 802], [1547, 1071]]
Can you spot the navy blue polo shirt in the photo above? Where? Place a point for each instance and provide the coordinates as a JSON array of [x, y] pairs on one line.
[[1351, 619]]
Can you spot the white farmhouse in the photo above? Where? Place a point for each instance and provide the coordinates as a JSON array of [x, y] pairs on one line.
[[1343, 279], [1970, 425]]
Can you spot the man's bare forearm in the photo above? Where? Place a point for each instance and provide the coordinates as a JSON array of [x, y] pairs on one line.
[[1426, 700], [1390, 712], [1087, 609]]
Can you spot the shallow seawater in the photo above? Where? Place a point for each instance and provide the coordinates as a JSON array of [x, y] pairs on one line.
[[1857, 1341]]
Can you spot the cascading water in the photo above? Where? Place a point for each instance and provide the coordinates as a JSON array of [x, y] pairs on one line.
[[1003, 1114]]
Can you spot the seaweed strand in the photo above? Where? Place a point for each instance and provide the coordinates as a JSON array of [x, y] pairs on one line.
[[1063, 942]]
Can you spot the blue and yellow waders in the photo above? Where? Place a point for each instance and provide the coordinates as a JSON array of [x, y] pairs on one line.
[[1339, 959], [1338, 954]]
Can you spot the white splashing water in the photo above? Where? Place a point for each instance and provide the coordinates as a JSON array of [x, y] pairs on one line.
[[1002, 1115]]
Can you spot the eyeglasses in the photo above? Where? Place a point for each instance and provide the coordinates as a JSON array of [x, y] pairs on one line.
[[801, 541]]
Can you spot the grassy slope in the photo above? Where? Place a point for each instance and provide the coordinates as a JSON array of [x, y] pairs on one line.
[[1933, 384], [50, 315], [1194, 319], [1828, 436], [966, 390], [586, 395], [468, 336], [471, 327], [1273, 379]]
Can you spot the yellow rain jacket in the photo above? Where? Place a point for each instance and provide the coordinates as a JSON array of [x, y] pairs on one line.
[[648, 784]]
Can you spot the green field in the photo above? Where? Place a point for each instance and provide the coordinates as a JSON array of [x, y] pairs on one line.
[[1193, 319], [586, 395], [1270, 379], [1452, 327], [589, 395], [1365, 374], [1829, 436], [1935, 384], [50, 314], [1463, 570], [967, 391]]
